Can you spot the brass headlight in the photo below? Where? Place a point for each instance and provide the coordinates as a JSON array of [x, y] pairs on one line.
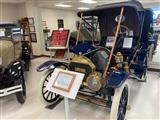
[[94, 81]]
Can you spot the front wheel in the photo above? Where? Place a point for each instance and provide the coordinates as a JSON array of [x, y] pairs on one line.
[[150, 54], [120, 102], [47, 97], [21, 96]]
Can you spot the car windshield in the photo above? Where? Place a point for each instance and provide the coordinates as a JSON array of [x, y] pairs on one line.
[[89, 28]]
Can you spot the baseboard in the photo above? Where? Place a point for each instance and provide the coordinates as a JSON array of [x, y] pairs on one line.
[[36, 56], [154, 69]]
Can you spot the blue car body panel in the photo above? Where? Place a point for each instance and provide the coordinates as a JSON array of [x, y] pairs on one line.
[[141, 63], [50, 65], [83, 48], [117, 78]]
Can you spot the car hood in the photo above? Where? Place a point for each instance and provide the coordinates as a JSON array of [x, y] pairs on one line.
[[6, 52]]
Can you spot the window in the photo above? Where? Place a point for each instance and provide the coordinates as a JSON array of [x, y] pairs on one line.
[[60, 23]]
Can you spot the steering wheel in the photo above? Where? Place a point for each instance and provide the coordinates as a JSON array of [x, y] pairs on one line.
[[123, 29]]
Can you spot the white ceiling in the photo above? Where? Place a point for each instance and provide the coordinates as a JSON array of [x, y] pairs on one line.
[[13, 1], [75, 3]]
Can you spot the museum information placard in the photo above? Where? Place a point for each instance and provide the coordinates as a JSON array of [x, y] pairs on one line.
[[65, 83], [59, 38]]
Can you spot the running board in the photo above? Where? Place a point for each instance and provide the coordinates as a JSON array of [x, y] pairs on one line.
[[132, 76]]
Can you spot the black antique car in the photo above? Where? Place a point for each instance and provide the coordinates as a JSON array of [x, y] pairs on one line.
[[14, 56], [149, 34], [120, 54]]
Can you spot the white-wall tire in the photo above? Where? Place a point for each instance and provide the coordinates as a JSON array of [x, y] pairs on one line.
[[116, 101], [151, 51]]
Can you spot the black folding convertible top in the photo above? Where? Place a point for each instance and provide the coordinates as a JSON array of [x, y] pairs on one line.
[[133, 12], [128, 4]]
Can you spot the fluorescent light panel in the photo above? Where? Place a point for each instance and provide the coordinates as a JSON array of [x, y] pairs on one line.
[[82, 8], [88, 1], [63, 5]]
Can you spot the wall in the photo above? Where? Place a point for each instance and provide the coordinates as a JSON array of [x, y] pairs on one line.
[[12, 12], [51, 15], [21, 10], [8, 12], [35, 12], [151, 5]]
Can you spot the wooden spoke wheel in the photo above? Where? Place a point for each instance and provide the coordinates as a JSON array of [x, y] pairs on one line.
[[123, 104], [120, 102], [46, 96]]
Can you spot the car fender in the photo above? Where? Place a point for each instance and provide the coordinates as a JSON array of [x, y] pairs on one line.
[[50, 65], [15, 69], [117, 78], [26, 52]]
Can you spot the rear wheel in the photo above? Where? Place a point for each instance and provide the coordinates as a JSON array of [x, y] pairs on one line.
[[27, 65], [21, 96], [151, 51]]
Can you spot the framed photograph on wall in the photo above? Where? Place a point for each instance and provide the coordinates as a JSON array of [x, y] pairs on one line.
[[31, 21], [33, 37], [64, 81], [32, 29], [44, 23]]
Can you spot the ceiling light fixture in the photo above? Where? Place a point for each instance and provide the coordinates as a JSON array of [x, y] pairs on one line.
[[82, 8], [88, 1], [63, 5]]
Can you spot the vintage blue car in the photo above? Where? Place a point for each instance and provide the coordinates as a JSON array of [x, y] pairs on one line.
[[120, 54]]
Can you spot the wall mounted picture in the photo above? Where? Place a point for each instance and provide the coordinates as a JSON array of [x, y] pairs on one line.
[[44, 23], [31, 21], [64, 81], [32, 28], [33, 37]]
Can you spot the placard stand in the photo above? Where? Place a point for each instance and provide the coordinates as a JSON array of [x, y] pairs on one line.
[[59, 42], [50, 50], [65, 83], [67, 110]]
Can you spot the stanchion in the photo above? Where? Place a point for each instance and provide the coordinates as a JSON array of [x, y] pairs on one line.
[[67, 111]]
